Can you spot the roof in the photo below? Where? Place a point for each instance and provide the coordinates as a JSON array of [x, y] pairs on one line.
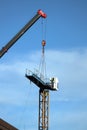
[[6, 126]]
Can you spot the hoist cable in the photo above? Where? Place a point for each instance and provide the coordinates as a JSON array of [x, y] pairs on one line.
[[42, 66], [44, 28]]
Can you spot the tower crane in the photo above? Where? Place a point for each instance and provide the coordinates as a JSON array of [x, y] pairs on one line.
[[4, 49], [44, 84]]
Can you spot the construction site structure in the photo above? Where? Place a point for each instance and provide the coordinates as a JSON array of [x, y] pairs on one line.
[[44, 84], [37, 77]]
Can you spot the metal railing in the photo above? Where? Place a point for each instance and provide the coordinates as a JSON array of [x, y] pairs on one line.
[[38, 75]]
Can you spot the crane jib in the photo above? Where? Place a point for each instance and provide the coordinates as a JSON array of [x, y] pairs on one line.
[[39, 14]]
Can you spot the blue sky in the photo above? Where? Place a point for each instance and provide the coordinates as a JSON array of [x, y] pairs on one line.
[[66, 58]]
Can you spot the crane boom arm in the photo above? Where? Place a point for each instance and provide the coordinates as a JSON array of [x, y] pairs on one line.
[[39, 14]]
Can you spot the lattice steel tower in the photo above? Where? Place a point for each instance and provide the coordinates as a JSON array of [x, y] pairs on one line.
[[43, 121]]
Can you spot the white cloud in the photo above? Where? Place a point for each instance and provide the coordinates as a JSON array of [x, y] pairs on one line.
[[69, 67]]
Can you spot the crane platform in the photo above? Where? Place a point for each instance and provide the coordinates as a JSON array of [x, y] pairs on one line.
[[39, 81]]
